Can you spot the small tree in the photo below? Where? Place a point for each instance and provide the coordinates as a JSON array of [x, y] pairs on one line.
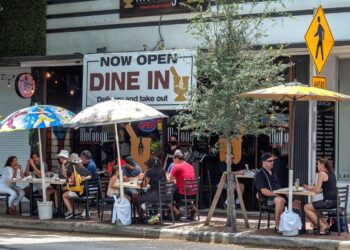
[[230, 62]]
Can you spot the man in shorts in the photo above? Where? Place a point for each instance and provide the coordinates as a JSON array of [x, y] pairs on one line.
[[182, 171], [266, 182]]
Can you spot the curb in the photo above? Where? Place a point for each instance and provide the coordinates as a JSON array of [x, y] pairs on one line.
[[243, 238]]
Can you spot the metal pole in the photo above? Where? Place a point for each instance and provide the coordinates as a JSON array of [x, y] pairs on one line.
[[119, 164], [42, 167], [291, 165]]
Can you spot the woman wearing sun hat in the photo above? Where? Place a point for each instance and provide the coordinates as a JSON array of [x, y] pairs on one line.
[[74, 162], [62, 158]]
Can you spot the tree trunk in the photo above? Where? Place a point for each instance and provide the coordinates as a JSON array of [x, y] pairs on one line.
[[231, 211]]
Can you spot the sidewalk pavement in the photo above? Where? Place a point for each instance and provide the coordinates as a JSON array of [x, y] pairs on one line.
[[193, 231]]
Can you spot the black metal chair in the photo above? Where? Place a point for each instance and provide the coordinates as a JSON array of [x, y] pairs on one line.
[[191, 188], [104, 200], [264, 208], [207, 190], [5, 197], [339, 211], [166, 195], [89, 198]]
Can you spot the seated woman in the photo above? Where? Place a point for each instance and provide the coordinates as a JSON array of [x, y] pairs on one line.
[[155, 174], [74, 162], [113, 185], [327, 182], [16, 194]]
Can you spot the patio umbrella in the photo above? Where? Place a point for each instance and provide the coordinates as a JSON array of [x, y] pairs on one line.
[[114, 112], [295, 91], [36, 117]]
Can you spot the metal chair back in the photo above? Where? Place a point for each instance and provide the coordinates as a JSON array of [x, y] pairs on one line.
[[104, 182], [191, 187], [166, 192], [342, 197]]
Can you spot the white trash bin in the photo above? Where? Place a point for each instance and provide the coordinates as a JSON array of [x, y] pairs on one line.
[[45, 210]]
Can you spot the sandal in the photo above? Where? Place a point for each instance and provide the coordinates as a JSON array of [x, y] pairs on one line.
[[325, 232], [278, 231]]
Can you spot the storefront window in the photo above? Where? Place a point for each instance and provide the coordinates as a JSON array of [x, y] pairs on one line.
[[344, 121]]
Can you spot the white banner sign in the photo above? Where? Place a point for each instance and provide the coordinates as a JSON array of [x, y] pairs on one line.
[[162, 79]]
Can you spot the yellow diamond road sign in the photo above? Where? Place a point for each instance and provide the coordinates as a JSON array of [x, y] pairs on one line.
[[319, 39]]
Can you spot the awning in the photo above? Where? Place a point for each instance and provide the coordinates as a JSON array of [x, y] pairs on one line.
[[42, 61]]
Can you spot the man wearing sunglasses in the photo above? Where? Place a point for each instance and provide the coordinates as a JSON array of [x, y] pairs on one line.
[[266, 182]]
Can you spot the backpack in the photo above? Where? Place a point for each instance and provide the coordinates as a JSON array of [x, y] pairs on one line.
[[74, 183]]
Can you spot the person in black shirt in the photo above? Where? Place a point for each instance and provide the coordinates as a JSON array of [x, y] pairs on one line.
[[173, 146], [327, 182], [155, 174], [266, 182]]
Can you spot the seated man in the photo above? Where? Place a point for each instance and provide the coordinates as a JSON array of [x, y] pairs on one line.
[[89, 163], [182, 171], [33, 168], [266, 182], [131, 169]]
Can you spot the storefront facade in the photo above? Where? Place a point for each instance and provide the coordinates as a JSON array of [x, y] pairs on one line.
[[91, 28]]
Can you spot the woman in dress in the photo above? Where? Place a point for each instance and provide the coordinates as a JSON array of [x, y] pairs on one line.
[[326, 182], [11, 170]]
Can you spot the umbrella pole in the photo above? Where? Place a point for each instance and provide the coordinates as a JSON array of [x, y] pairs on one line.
[[42, 167], [291, 166], [119, 164]]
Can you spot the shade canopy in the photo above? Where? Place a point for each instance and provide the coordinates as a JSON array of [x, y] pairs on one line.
[[35, 117], [114, 111], [295, 91]]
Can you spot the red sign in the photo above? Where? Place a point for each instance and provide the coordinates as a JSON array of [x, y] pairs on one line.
[[25, 85], [148, 126], [138, 8]]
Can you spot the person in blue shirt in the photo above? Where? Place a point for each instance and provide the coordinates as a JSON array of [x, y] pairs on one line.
[[89, 163], [131, 169]]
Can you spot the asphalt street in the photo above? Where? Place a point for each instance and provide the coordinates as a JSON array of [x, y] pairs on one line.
[[22, 239]]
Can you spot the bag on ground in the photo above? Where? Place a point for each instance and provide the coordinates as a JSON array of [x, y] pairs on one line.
[[121, 211], [290, 223]]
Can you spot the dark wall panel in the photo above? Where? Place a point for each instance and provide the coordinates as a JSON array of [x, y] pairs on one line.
[[301, 131]]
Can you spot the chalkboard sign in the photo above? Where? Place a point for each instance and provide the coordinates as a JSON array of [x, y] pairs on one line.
[[325, 130]]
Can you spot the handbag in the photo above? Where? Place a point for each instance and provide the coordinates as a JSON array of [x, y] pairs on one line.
[[74, 183]]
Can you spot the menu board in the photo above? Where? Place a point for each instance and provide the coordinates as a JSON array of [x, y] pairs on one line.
[[325, 135]]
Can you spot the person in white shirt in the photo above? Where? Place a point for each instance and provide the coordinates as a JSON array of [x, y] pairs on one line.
[[11, 170]]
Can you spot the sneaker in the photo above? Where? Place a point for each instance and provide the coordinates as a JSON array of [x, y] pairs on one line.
[[153, 220], [83, 215], [68, 215]]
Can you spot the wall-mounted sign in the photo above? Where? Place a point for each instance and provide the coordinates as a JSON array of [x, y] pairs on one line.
[[93, 136], [319, 39], [319, 82], [148, 126], [162, 79], [25, 85], [137, 8]]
